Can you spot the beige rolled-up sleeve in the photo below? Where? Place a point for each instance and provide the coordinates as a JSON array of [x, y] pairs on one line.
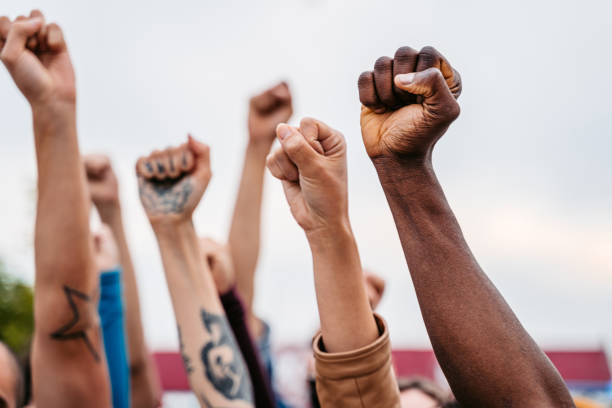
[[360, 378]]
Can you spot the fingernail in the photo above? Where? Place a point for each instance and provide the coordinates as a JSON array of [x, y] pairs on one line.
[[282, 131], [405, 79]]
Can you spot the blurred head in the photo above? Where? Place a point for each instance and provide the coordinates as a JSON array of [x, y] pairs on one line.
[[420, 393], [375, 287], [11, 380]]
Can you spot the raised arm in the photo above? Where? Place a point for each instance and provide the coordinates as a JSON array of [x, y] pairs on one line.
[[486, 355], [103, 187], [171, 184], [311, 163], [266, 110], [67, 357]]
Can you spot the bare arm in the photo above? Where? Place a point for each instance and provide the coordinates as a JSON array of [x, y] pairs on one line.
[[486, 355], [144, 380], [266, 110], [312, 166], [67, 334], [171, 185]]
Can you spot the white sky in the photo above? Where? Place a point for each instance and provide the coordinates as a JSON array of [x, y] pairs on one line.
[[525, 167]]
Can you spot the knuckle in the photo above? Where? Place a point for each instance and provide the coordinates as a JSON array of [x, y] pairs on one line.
[[405, 51], [364, 78], [382, 63]]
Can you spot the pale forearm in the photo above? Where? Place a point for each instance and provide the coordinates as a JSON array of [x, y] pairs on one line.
[[347, 322], [200, 318], [244, 236], [468, 321]]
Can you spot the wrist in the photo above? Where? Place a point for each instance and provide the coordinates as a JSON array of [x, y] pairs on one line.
[[393, 170], [331, 236], [260, 147], [172, 229]]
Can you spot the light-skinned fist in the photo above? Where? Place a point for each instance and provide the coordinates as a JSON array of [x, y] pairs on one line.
[[266, 111], [36, 56], [106, 252], [311, 163], [101, 180], [172, 181], [219, 260], [408, 103]]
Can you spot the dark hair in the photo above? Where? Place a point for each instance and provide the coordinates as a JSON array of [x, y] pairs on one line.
[[19, 382], [426, 386]]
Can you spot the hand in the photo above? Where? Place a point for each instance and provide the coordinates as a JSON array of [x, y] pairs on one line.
[[36, 56], [267, 110], [172, 182], [375, 288], [219, 261], [101, 179], [311, 163], [408, 103], [106, 253]]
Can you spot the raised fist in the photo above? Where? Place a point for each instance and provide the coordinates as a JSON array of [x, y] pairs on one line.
[[101, 180], [311, 163], [36, 56], [375, 288], [267, 110], [171, 182], [219, 261], [408, 103], [106, 252]]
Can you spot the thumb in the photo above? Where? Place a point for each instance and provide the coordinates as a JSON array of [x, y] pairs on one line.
[[17, 38], [201, 154], [297, 148], [431, 85]]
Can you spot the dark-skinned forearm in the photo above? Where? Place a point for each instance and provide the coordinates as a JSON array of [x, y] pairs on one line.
[[486, 355]]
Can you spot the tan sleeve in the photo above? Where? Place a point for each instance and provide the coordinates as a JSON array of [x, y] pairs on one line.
[[361, 378]]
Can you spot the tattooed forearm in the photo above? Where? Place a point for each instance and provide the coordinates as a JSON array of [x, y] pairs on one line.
[[71, 330], [223, 362], [165, 196]]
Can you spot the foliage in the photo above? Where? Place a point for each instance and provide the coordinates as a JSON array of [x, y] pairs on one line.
[[16, 312]]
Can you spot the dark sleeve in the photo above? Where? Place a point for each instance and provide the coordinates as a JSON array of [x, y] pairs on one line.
[[110, 310], [234, 309]]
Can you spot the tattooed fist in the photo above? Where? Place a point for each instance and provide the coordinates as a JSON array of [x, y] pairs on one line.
[[267, 110], [219, 261], [311, 163], [408, 103], [36, 56], [171, 182], [101, 180]]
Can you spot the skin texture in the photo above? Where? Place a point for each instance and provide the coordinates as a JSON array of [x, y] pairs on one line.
[[266, 110], [219, 261], [145, 389], [486, 355], [311, 164], [67, 333], [172, 183], [9, 379]]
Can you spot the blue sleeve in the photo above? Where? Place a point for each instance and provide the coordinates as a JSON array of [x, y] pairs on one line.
[[110, 309]]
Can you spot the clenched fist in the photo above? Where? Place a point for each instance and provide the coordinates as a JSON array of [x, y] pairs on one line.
[[36, 56], [106, 252], [171, 182], [311, 163], [408, 103], [101, 180], [267, 110], [219, 260]]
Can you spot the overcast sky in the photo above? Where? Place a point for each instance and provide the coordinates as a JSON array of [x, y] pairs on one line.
[[526, 167]]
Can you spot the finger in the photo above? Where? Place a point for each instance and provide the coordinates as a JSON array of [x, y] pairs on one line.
[[429, 57], [201, 154], [17, 38], [281, 166], [329, 140], [297, 148], [95, 164], [174, 162], [55, 38], [33, 42], [162, 162], [282, 93], [404, 62], [430, 84], [5, 26], [144, 168], [158, 172], [367, 92], [383, 80], [271, 98]]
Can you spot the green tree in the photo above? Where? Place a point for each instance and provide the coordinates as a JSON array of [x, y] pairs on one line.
[[16, 312]]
